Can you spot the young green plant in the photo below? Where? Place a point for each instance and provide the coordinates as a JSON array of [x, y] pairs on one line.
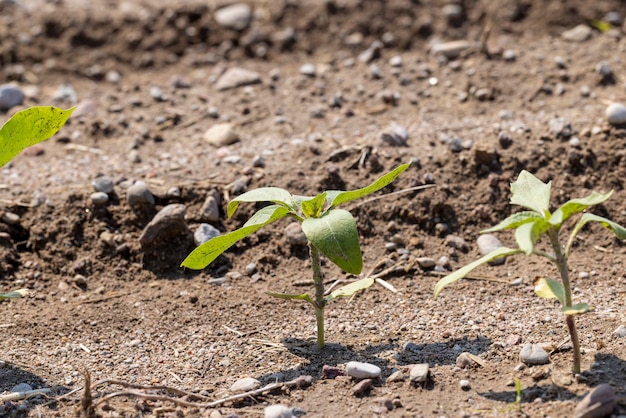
[[25, 128], [330, 231], [531, 193]]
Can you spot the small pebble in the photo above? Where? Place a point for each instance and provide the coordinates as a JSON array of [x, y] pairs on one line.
[[509, 55], [579, 33], [237, 16], [295, 236], [21, 387], [10, 218], [534, 354], [465, 384], [419, 373], [278, 411], [237, 77], [616, 114], [99, 198], [488, 243], [251, 269], [65, 92], [103, 184], [397, 376], [245, 384], [371, 53], [396, 61], [362, 386], [359, 370], [221, 134], [205, 232], [308, 70], [139, 194], [210, 211], [167, 223], [457, 243], [426, 262], [10, 96]]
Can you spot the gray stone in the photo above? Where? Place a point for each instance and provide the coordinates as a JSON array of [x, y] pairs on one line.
[[245, 384], [85, 108], [99, 198], [419, 373], [362, 386], [396, 61], [251, 269], [360, 370], [616, 114], [465, 384], [488, 243], [395, 134], [10, 96], [397, 376], [237, 77], [579, 33], [103, 184], [236, 16], [598, 403], [278, 411], [21, 387], [426, 262], [457, 243], [533, 354], [205, 232], [210, 211], [168, 222], [221, 134], [139, 194]]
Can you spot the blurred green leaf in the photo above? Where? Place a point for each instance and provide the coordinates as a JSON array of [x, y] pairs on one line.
[[575, 206], [514, 221], [263, 194], [549, 289], [530, 192], [350, 289]]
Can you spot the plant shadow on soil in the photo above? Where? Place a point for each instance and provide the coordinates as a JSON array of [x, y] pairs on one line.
[[606, 368], [333, 354], [12, 375]]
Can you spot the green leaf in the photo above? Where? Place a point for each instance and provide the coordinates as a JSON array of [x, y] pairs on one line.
[[29, 127], [526, 235], [549, 289], [312, 208], [335, 198], [465, 270], [287, 296], [350, 289], [619, 230], [575, 206], [14, 294], [601, 25], [579, 308], [263, 194], [514, 221], [530, 192], [336, 236], [206, 253]]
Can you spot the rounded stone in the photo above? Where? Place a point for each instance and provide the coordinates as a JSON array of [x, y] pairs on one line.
[[533, 354], [10, 96], [616, 114], [99, 198], [139, 194], [103, 184], [360, 370], [205, 232], [245, 384], [236, 16]]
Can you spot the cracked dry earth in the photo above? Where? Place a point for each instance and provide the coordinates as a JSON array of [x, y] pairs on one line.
[[334, 94]]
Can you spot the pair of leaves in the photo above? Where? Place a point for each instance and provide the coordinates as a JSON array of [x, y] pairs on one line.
[[531, 193], [29, 127], [333, 231], [344, 291]]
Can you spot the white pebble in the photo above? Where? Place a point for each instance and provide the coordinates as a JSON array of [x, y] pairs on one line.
[[360, 370], [616, 114], [245, 384]]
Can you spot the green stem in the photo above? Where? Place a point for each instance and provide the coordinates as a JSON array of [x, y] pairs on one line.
[[561, 263], [319, 303]]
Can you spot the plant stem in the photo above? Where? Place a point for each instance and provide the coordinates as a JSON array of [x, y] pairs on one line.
[[319, 302], [561, 263]]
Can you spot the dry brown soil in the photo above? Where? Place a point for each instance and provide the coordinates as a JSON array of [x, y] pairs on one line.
[[102, 304]]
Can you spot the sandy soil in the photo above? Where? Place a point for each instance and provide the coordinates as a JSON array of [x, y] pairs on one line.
[[146, 77]]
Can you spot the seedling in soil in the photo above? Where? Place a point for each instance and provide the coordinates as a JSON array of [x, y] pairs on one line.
[[531, 193], [330, 232], [25, 128]]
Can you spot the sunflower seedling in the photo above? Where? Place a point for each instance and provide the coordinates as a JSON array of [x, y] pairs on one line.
[[330, 231], [531, 193], [25, 128]]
